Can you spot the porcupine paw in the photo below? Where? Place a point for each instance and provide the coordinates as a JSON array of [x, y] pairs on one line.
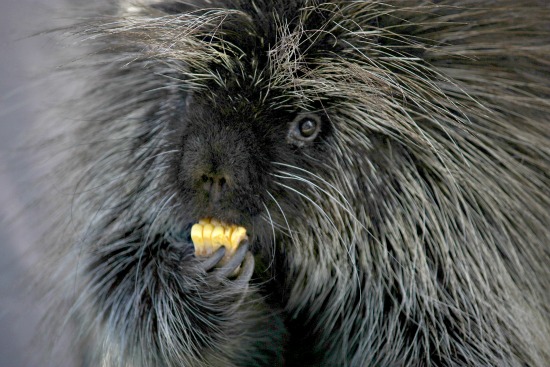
[[223, 250], [240, 265]]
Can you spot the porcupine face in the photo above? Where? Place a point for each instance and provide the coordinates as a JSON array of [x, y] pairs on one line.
[[230, 142], [236, 130]]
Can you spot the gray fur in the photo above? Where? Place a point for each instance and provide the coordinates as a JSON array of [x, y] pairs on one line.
[[418, 238]]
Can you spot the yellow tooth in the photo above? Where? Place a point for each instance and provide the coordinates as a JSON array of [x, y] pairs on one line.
[[238, 235], [196, 237], [227, 236], [207, 238], [209, 235], [217, 237]]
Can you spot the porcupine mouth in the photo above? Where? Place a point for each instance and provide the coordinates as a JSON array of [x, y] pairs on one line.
[[209, 234]]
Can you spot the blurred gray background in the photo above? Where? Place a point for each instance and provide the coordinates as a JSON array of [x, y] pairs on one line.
[[21, 53]]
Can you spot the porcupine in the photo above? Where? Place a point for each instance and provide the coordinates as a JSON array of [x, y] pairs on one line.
[[390, 161]]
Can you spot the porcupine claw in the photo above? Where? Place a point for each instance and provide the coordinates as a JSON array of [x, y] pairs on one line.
[[224, 245], [210, 262]]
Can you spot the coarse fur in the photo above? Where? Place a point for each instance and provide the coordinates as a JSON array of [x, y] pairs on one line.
[[411, 231]]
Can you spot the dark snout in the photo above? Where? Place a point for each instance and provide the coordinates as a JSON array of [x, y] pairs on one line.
[[216, 167], [214, 184]]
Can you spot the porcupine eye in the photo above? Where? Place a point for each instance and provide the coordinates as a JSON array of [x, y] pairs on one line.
[[307, 128], [304, 128]]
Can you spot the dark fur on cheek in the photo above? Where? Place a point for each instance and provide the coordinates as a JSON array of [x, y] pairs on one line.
[[404, 225]]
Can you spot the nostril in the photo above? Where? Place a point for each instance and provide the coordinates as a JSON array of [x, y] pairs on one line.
[[214, 185]]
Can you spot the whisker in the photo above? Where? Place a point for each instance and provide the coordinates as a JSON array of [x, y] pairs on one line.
[[348, 246], [347, 208], [284, 216], [321, 210], [273, 242], [315, 176]]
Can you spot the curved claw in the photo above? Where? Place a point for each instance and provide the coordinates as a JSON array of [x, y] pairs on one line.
[[210, 262], [229, 268], [247, 269]]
